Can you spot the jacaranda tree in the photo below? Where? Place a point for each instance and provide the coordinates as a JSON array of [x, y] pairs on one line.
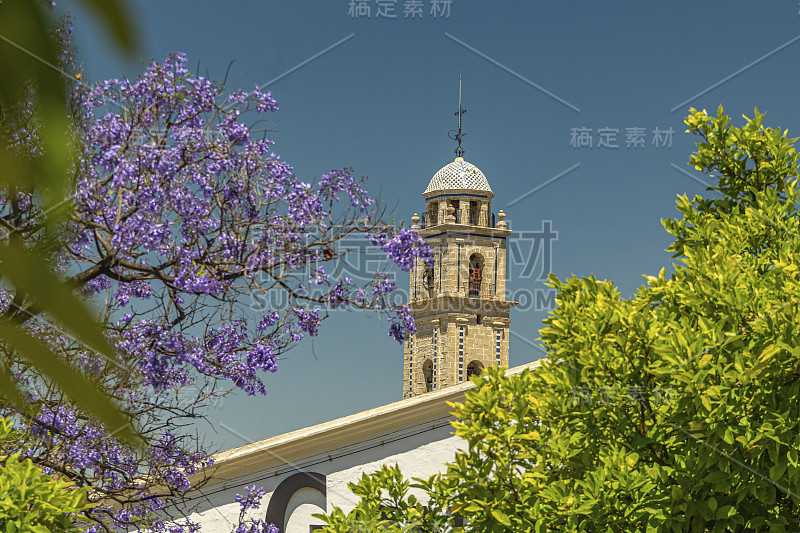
[[178, 213], [673, 410]]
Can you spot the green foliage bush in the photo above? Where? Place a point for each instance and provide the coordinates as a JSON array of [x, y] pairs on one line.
[[673, 410], [31, 501]]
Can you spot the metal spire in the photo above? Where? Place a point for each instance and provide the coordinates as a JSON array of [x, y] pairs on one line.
[[458, 136]]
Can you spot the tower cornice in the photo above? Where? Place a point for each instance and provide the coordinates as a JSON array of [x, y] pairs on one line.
[[464, 230], [473, 193], [455, 304]]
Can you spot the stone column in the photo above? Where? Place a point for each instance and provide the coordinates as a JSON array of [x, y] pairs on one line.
[[483, 217]]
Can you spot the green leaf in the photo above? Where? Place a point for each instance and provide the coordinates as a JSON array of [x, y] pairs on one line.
[[768, 352], [726, 511], [706, 401], [29, 57], [728, 437], [501, 517], [9, 389], [791, 455], [716, 476], [712, 503], [777, 470]]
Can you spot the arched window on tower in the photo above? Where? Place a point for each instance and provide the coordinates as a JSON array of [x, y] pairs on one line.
[[475, 275], [430, 281], [475, 368], [427, 374]]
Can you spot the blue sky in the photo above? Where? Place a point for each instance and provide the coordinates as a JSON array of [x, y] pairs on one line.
[[381, 99]]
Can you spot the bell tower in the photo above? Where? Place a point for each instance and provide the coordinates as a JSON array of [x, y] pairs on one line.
[[459, 305]]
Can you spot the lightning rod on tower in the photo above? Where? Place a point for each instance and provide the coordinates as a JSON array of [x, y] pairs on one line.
[[459, 135]]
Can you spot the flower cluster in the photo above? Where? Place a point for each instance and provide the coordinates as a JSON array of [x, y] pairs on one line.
[[401, 322], [251, 501], [403, 247]]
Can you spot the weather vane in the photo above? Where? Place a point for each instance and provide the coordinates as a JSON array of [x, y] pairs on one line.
[[458, 136]]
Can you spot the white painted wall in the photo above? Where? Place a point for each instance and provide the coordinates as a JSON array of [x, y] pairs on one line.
[[417, 455], [304, 503]]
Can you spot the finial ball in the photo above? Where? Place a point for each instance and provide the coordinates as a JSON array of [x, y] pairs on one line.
[[501, 224]]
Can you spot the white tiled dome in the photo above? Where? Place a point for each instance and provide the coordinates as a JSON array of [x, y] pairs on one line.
[[459, 174]]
